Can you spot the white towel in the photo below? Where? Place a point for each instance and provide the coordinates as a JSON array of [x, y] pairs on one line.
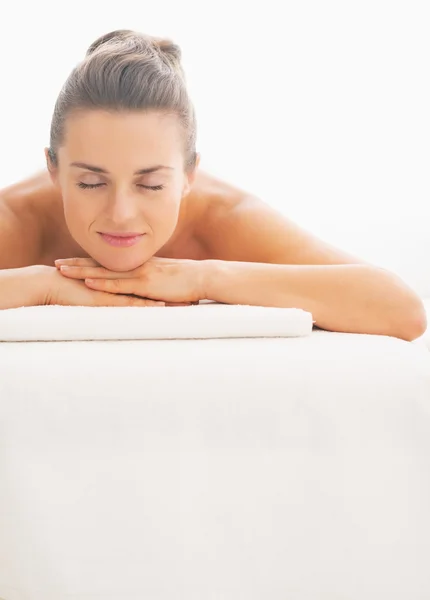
[[206, 320]]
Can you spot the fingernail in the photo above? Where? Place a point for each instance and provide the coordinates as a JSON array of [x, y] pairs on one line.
[[89, 280], [64, 267]]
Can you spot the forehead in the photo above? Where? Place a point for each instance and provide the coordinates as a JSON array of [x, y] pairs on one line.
[[102, 136]]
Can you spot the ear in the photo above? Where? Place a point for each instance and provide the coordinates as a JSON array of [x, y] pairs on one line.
[[191, 175], [52, 169]]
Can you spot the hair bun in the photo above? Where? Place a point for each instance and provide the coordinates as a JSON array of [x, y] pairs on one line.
[[168, 47], [117, 35], [139, 42]]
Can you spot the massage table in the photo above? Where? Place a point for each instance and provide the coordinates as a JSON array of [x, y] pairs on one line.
[[281, 464]]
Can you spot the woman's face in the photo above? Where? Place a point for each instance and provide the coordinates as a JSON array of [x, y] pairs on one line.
[[121, 173]]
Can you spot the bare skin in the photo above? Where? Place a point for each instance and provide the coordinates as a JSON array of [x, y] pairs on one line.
[[34, 230], [195, 216], [199, 237]]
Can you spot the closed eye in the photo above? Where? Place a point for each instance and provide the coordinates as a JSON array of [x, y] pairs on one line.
[[90, 186], [87, 186], [151, 187]]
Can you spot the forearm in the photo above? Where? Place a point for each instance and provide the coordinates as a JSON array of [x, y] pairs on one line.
[[347, 298], [21, 287]]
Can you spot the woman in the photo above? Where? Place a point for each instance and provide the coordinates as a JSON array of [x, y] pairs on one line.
[[124, 206]]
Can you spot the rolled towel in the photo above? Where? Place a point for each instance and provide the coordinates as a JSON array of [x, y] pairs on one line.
[[206, 320]]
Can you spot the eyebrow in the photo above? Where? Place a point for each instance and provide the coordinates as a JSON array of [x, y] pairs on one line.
[[88, 167]]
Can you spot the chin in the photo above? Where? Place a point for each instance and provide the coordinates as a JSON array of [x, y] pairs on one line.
[[120, 260], [122, 263]]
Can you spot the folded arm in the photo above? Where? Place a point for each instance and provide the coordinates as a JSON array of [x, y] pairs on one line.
[[346, 298], [264, 258]]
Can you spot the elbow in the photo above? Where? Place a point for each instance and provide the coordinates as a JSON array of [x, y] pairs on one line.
[[406, 315], [412, 324]]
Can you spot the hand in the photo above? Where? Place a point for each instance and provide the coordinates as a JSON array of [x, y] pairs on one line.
[[66, 292], [171, 280]]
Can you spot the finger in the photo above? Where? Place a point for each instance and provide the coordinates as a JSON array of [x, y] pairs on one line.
[[84, 272], [78, 262], [105, 299], [116, 286], [76, 272]]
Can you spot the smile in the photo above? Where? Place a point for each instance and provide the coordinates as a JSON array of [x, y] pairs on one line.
[[121, 239]]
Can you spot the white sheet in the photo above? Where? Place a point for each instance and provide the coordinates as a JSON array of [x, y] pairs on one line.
[[295, 468], [207, 320]]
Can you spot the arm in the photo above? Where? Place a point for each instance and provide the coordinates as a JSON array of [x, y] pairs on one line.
[[22, 287], [20, 278], [39, 285], [346, 298], [266, 259], [258, 257], [23, 282]]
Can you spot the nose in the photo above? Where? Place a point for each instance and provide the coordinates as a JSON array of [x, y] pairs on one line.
[[122, 208]]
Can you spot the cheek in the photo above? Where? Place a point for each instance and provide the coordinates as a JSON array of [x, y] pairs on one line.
[[78, 212], [163, 214]]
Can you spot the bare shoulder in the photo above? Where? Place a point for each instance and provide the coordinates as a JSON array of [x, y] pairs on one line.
[[213, 201], [213, 198], [18, 239], [237, 225], [20, 225]]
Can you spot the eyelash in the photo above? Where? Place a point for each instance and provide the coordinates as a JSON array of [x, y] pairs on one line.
[[87, 186]]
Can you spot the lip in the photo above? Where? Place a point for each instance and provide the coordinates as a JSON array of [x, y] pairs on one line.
[[124, 239]]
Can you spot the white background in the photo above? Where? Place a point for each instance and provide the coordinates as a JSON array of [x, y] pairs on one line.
[[319, 107]]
